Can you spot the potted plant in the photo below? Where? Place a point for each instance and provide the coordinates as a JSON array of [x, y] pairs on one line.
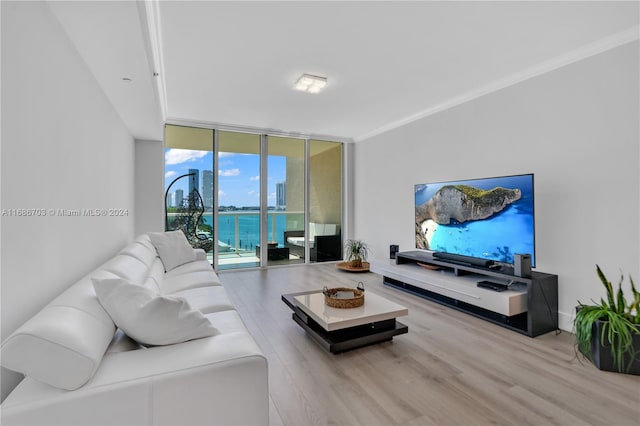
[[608, 333], [357, 252]]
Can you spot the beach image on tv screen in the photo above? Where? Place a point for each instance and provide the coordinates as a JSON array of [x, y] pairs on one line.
[[490, 218]]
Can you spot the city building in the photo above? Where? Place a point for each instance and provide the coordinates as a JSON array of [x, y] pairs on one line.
[[194, 181], [207, 188], [281, 195], [178, 196]]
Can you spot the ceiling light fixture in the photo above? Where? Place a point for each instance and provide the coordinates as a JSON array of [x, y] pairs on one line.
[[310, 83]]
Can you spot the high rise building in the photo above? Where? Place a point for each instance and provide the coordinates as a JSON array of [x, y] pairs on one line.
[[178, 196], [281, 195], [194, 180], [207, 188]]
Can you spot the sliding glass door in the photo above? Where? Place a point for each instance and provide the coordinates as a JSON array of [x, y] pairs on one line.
[[239, 200], [189, 196], [286, 189], [254, 200], [325, 201]]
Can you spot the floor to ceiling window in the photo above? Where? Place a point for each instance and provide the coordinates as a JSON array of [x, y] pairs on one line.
[[325, 200], [189, 194], [238, 199], [264, 200], [286, 189]]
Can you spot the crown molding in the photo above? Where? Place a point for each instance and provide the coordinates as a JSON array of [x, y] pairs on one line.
[[607, 43], [150, 19]]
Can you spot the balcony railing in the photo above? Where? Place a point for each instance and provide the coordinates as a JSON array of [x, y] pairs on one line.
[[239, 231]]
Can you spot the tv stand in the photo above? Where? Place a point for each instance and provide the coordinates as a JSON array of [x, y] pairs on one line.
[[529, 305]]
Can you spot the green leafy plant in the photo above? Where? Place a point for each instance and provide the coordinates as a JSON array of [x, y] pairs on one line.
[[357, 252], [620, 322]]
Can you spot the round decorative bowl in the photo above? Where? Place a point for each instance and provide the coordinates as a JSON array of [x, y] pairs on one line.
[[344, 297]]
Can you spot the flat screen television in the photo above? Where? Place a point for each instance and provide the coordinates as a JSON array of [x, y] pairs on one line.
[[488, 218]]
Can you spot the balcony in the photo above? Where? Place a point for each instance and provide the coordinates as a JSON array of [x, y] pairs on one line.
[[239, 233]]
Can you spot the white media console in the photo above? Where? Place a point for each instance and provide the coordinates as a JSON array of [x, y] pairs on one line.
[[529, 306]]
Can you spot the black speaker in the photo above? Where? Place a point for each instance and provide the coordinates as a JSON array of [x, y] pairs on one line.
[[393, 249], [522, 265]]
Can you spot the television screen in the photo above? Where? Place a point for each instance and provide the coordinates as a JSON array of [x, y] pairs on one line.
[[489, 218]]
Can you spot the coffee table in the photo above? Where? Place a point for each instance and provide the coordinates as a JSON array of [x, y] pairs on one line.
[[338, 330]]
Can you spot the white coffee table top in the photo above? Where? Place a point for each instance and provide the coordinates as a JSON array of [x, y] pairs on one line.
[[375, 309]]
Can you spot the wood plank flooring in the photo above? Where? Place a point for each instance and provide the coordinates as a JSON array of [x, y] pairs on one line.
[[450, 369]]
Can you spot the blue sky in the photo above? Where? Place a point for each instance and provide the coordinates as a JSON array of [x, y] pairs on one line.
[[238, 174]]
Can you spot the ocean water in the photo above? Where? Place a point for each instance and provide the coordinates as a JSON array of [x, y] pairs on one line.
[[498, 237], [248, 228]]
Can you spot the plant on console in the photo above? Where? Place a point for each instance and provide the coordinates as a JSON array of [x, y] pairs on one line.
[[357, 252], [609, 332]]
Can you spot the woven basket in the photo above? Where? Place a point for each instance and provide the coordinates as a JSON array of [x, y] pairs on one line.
[[344, 303]]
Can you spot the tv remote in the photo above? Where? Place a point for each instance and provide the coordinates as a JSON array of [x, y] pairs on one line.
[[493, 286]]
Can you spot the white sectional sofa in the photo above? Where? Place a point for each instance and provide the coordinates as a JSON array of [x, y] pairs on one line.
[[82, 369]]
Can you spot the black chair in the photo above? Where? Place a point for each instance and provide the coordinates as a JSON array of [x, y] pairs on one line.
[[325, 247]]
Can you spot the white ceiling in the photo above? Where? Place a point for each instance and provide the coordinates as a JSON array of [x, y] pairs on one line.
[[233, 64]]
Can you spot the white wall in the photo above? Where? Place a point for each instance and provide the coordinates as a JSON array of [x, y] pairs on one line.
[[149, 186], [63, 147], [576, 128]]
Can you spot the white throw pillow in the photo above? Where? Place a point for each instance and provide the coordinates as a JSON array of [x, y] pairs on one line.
[[148, 318], [173, 248]]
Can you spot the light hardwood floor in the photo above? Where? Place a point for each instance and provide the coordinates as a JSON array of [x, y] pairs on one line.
[[450, 369]]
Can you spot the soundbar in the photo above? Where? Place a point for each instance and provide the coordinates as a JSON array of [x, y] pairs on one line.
[[465, 260]]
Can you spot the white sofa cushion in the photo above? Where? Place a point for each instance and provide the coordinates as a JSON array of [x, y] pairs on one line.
[[196, 279], [200, 254], [145, 241], [140, 252], [61, 346], [173, 248], [207, 299], [187, 268], [316, 229], [330, 229], [156, 274], [298, 241], [127, 267], [148, 318]]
